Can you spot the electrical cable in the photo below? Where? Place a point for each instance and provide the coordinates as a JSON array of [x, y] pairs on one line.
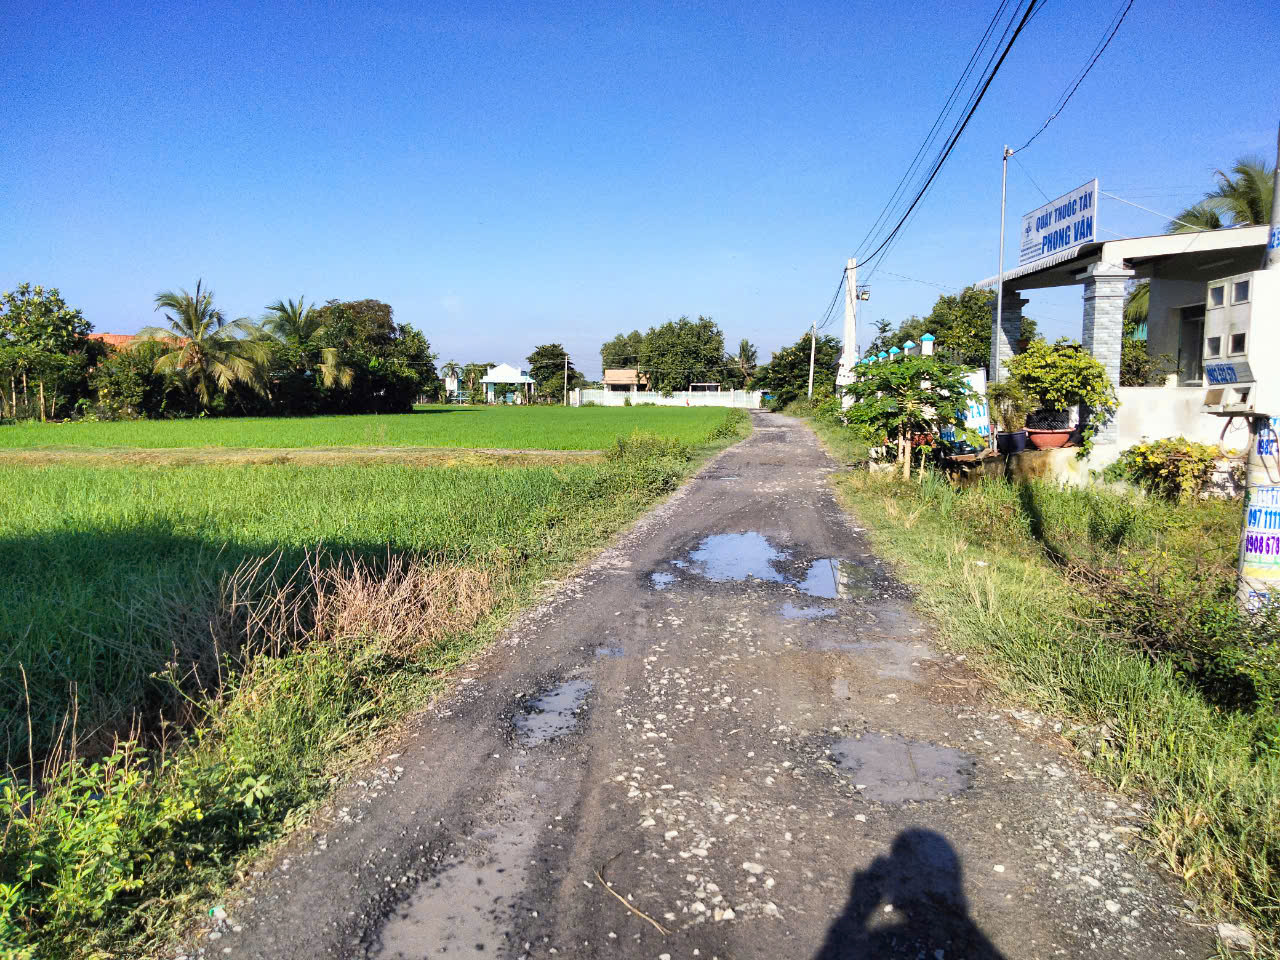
[[959, 130], [1064, 100]]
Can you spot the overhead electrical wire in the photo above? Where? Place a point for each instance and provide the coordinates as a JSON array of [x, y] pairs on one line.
[[1070, 92], [974, 102]]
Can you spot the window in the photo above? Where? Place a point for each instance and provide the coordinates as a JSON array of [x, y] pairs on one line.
[[1240, 291], [1213, 347], [1215, 296], [1237, 343]]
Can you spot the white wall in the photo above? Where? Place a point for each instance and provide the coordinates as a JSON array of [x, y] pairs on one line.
[[747, 399]]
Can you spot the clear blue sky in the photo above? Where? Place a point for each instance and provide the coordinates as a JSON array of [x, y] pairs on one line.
[[511, 175]]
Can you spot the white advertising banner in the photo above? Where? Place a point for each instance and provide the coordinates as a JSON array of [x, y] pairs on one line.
[[977, 415], [1060, 225]]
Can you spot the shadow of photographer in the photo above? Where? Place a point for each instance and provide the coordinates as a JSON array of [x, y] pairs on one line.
[[909, 904]]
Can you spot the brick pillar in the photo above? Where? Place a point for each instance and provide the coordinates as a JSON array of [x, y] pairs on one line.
[[1006, 333], [1103, 330]]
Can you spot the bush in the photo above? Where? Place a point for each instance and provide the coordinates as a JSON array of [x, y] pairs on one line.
[[1060, 376], [1174, 468], [642, 445], [736, 423]]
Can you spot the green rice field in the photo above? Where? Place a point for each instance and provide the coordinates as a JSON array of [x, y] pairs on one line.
[[499, 427]]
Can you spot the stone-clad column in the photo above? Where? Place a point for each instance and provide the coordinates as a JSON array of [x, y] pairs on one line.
[[1103, 331], [1006, 333]]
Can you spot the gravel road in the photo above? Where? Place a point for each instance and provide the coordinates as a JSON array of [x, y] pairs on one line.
[[729, 737]]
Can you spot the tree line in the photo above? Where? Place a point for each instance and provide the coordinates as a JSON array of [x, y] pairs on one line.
[[298, 358]]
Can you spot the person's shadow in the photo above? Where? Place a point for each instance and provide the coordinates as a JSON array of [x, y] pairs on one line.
[[909, 904]]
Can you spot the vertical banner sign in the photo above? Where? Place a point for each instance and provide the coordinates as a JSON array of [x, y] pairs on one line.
[[1260, 557], [1060, 225], [977, 416]]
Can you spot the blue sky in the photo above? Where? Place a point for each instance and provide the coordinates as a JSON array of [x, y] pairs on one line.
[[507, 175]]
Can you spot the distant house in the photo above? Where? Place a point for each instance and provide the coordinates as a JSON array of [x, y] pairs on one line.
[[117, 341], [622, 380], [505, 375]]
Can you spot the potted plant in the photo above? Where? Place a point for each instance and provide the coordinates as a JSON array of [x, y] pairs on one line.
[[1010, 405], [1060, 376]]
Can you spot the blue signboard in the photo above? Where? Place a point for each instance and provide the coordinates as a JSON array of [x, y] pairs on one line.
[[1060, 225]]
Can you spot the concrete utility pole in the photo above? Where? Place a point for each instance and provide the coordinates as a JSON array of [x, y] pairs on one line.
[[849, 355], [1259, 580], [998, 322], [813, 346], [566, 378]]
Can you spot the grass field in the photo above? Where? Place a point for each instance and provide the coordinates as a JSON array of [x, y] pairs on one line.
[[136, 603], [498, 427]]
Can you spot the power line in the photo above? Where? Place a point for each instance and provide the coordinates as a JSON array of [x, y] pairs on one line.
[[929, 137], [958, 131], [1065, 99]]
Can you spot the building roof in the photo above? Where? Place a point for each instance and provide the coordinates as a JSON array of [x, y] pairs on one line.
[[624, 377], [113, 339], [505, 373], [1065, 268]]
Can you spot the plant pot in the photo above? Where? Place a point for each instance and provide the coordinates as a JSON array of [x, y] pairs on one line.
[[1048, 439], [1013, 442]]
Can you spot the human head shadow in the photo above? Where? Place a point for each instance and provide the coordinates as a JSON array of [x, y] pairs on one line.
[[922, 880]]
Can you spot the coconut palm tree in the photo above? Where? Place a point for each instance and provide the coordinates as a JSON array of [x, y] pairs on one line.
[[302, 327], [452, 369], [746, 359], [1242, 198], [211, 354]]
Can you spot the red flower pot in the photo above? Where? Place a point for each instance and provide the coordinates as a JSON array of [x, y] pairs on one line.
[[1048, 439]]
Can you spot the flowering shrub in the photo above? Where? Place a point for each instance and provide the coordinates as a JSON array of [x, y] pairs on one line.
[[1175, 468]]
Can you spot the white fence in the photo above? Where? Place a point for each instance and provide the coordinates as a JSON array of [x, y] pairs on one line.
[[747, 399]]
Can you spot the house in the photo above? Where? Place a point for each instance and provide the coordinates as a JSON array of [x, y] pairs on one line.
[[1180, 268], [621, 380], [505, 375], [117, 341]]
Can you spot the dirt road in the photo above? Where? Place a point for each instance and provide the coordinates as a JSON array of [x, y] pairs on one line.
[[729, 738]]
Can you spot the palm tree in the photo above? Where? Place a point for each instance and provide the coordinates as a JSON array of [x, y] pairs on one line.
[[204, 349], [452, 369], [1242, 198], [297, 325], [746, 360]]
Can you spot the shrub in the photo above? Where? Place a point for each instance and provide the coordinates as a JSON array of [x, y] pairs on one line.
[[1060, 376], [735, 424], [1175, 468], [642, 445], [1010, 403]]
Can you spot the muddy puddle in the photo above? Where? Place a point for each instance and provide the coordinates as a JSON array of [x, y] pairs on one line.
[[891, 769], [661, 580], [553, 714], [791, 612], [831, 578], [737, 556], [609, 653]]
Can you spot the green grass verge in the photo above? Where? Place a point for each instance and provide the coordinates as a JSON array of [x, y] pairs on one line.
[[501, 427], [108, 853], [1054, 594]]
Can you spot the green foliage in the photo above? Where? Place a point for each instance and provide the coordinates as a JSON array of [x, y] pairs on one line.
[[895, 400], [1174, 468], [786, 375], [547, 367], [1241, 198], [392, 364], [673, 355], [39, 318], [960, 324], [1010, 403], [43, 342], [623, 351], [1062, 375]]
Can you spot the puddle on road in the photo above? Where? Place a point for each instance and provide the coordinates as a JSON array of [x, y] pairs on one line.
[[895, 770], [553, 714], [831, 578], [661, 580], [737, 556], [893, 658], [791, 612], [609, 652]]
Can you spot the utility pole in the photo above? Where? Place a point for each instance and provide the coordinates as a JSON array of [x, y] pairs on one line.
[[813, 346], [849, 356], [1259, 581], [566, 378], [998, 321]]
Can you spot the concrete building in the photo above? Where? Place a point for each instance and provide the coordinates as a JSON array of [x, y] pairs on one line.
[[625, 380], [1179, 267], [506, 375]]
